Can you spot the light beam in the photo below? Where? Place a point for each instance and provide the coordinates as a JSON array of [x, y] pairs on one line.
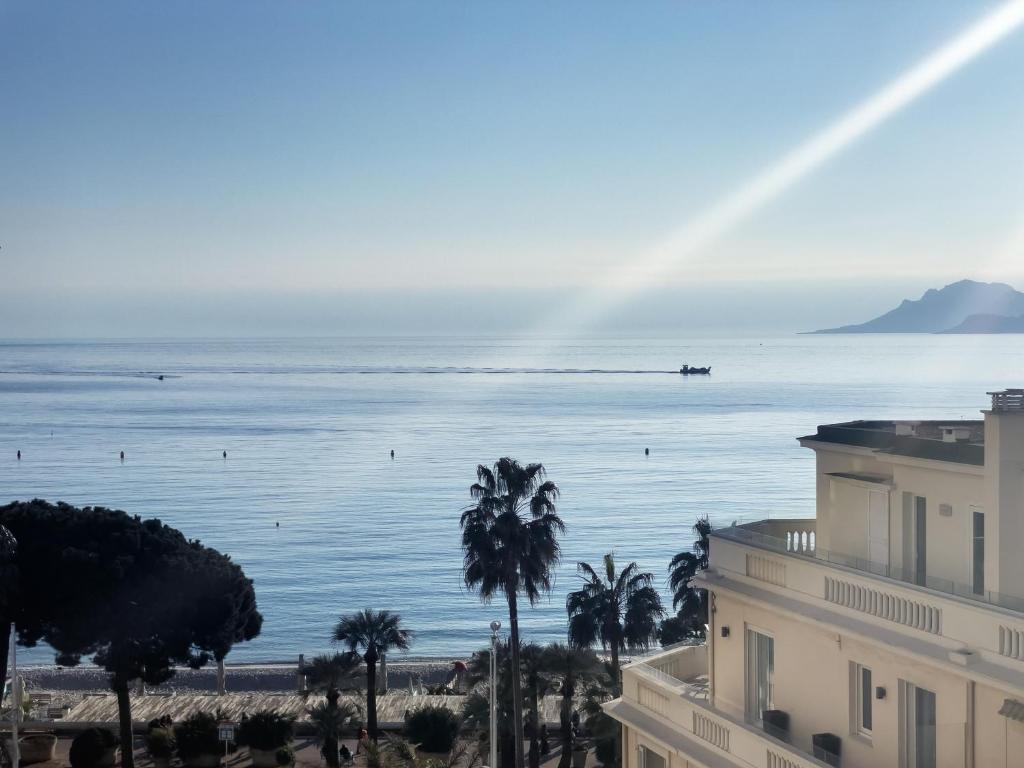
[[632, 277]]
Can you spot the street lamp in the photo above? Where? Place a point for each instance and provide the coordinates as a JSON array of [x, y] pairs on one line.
[[495, 626]]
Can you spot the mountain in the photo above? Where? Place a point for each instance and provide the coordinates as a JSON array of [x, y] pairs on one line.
[[947, 309], [989, 324]]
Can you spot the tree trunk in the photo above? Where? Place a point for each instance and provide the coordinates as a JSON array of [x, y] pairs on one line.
[[565, 718], [331, 741], [124, 717], [5, 648], [534, 726], [506, 750], [616, 674], [517, 683], [371, 692]]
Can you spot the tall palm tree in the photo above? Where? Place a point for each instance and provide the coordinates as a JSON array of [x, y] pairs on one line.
[[510, 545], [329, 674], [571, 667], [373, 633], [621, 610], [690, 602]]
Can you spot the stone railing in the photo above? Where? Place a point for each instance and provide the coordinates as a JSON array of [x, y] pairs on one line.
[[980, 623], [650, 683]]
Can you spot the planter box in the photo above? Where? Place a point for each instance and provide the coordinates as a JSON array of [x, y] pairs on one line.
[[776, 723], [827, 747], [579, 758]]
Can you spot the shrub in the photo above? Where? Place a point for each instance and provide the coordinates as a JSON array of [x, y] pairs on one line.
[[197, 735], [89, 747], [432, 728], [284, 755], [265, 730], [161, 722], [160, 742]]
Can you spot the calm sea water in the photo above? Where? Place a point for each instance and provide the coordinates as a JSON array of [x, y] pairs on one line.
[[308, 426]]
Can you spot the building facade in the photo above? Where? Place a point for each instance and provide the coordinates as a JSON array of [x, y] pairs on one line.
[[887, 631]]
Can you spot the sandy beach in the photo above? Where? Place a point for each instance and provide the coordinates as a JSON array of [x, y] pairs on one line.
[[271, 678]]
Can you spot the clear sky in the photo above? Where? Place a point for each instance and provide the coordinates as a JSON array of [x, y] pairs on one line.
[[217, 157]]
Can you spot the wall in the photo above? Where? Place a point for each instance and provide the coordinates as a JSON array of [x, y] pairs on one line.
[[948, 538], [842, 510], [812, 684], [1004, 461], [832, 521]]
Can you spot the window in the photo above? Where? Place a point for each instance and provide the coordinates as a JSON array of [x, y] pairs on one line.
[[861, 699], [917, 727], [651, 759], [920, 540], [978, 552], [760, 674]]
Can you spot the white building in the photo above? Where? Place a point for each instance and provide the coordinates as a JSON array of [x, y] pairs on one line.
[[888, 631]]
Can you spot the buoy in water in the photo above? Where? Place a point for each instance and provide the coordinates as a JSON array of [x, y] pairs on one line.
[[19, 455], [225, 454], [647, 451], [392, 454], [122, 455]]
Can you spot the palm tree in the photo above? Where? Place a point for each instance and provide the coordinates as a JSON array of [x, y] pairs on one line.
[[538, 682], [510, 545], [571, 666], [373, 633], [328, 674], [619, 610], [690, 602]]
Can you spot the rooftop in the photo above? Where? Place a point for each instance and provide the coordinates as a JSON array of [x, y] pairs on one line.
[[961, 442]]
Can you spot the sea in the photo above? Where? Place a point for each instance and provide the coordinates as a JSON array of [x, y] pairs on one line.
[[311, 504]]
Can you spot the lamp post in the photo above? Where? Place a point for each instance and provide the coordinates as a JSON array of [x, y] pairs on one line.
[[495, 626]]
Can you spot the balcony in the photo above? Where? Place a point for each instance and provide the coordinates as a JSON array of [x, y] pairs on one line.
[[797, 537], [778, 562], [665, 695]]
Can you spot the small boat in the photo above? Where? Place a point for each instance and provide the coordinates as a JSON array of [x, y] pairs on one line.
[[687, 370], [160, 377]]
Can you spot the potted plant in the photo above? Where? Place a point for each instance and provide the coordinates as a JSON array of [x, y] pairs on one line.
[[197, 738], [94, 748], [37, 747], [160, 745], [267, 734]]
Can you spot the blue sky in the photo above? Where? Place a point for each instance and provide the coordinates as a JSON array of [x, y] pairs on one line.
[[203, 150]]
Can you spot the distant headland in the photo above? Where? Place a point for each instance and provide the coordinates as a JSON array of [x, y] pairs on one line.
[[966, 306]]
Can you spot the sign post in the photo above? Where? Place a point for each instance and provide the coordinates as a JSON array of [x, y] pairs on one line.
[[226, 733]]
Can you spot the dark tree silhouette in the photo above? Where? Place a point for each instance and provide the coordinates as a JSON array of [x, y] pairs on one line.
[[571, 667], [691, 603], [510, 546], [619, 610], [330, 674], [373, 633], [8, 593], [134, 594]]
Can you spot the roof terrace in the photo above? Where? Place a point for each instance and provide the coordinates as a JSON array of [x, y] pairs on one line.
[[962, 442]]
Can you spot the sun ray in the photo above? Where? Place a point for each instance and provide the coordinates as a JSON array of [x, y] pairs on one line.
[[638, 274]]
